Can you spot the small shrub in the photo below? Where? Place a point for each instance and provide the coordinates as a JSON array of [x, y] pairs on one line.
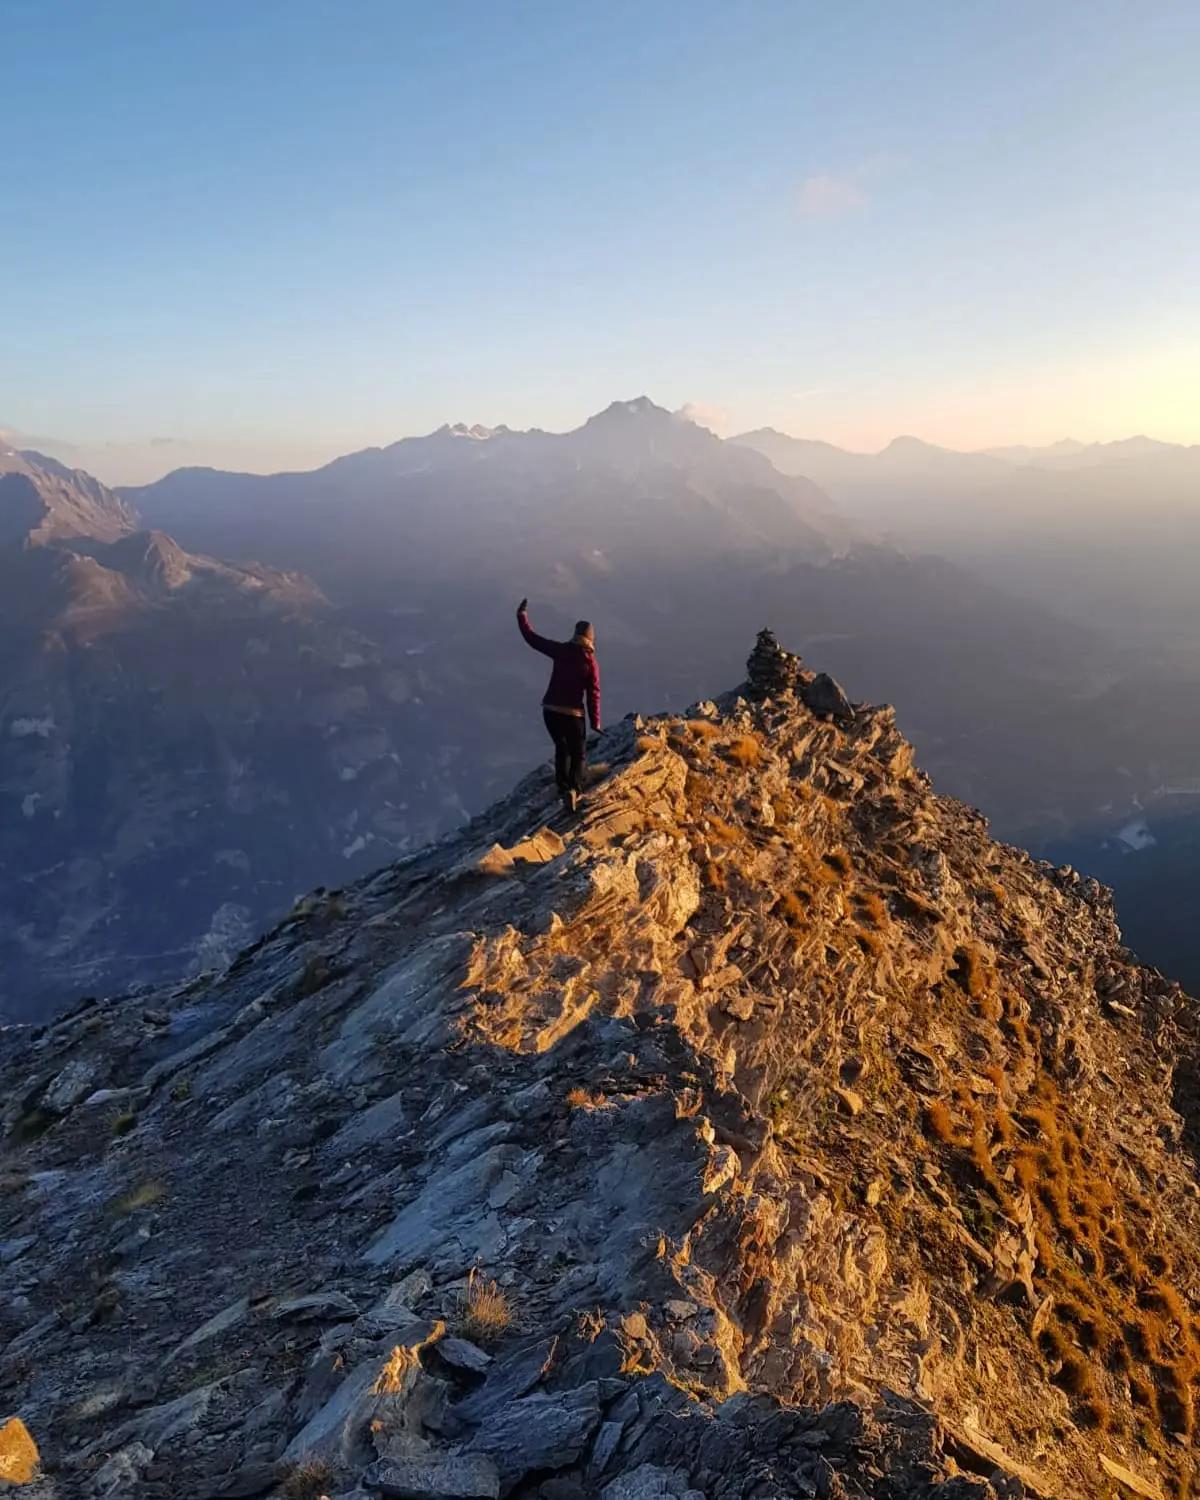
[[783, 805], [648, 742], [124, 1122], [724, 831], [1093, 1413], [1073, 1376], [793, 906], [745, 752], [181, 1090], [996, 892], [938, 1122], [484, 1310], [314, 976], [838, 861], [714, 875], [145, 1195], [970, 972], [307, 1480], [871, 910], [912, 907], [870, 942], [702, 729], [580, 1098]]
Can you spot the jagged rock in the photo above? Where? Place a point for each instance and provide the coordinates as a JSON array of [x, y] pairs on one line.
[[654, 1157], [71, 1086], [650, 1483], [540, 1432], [824, 696], [464, 1355], [326, 1304], [120, 1473], [467, 1476]]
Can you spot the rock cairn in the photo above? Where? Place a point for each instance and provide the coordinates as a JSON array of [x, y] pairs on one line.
[[770, 669]]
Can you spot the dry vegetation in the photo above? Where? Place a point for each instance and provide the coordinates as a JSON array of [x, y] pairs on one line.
[[145, 1195], [745, 751], [308, 1480], [484, 1311], [1115, 1333]]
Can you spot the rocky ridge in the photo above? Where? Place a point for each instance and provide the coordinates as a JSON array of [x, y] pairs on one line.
[[769, 1130]]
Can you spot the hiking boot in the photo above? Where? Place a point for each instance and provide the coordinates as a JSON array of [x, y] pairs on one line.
[[570, 800]]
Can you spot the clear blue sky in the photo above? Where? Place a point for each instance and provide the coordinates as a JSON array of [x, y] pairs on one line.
[[271, 230]]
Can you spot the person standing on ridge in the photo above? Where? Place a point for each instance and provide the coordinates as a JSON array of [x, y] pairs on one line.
[[574, 681]]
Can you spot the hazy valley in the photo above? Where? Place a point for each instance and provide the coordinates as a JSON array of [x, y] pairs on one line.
[[189, 745]]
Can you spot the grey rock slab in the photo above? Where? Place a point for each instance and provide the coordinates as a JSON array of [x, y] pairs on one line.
[[467, 1476], [184, 1057], [121, 1473], [648, 1482], [464, 1355], [337, 1432], [11, 1250], [605, 1446], [159, 1425], [399, 1007], [386, 1117], [228, 1317], [328, 1304], [448, 1207], [71, 1086], [508, 1379], [546, 1431], [371, 1400]]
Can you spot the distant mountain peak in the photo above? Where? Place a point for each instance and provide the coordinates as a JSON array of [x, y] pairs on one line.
[[476, 431], [639, 407]]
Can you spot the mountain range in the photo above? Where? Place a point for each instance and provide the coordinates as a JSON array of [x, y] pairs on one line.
[[214, 735]]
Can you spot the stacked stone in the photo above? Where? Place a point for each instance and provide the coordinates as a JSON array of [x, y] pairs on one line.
[[770, 669]]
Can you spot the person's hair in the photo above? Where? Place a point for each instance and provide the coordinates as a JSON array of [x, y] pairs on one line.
[[584, 627]]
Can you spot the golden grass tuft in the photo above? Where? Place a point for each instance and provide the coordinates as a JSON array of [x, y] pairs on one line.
[[646, 742], [124, 1122], [869, 941], [839, 862], [970, 971], [872, 911], [581, 1098], [723, 831], [484, 1309], [793, 907], [702, 729], [713, 875], [145, 1195], [745, 752], [307, 1480], [1094, 1412], [938, 1122]]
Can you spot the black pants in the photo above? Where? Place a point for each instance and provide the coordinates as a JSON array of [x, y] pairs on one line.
[[569, 733]]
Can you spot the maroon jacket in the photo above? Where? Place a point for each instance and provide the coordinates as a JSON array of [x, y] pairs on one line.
[[575, 677]]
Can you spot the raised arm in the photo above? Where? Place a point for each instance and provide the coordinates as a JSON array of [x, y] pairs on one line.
[[593, 690], [538, 642]]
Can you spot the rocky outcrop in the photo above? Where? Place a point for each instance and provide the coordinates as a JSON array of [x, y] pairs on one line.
[[767, 1130]]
